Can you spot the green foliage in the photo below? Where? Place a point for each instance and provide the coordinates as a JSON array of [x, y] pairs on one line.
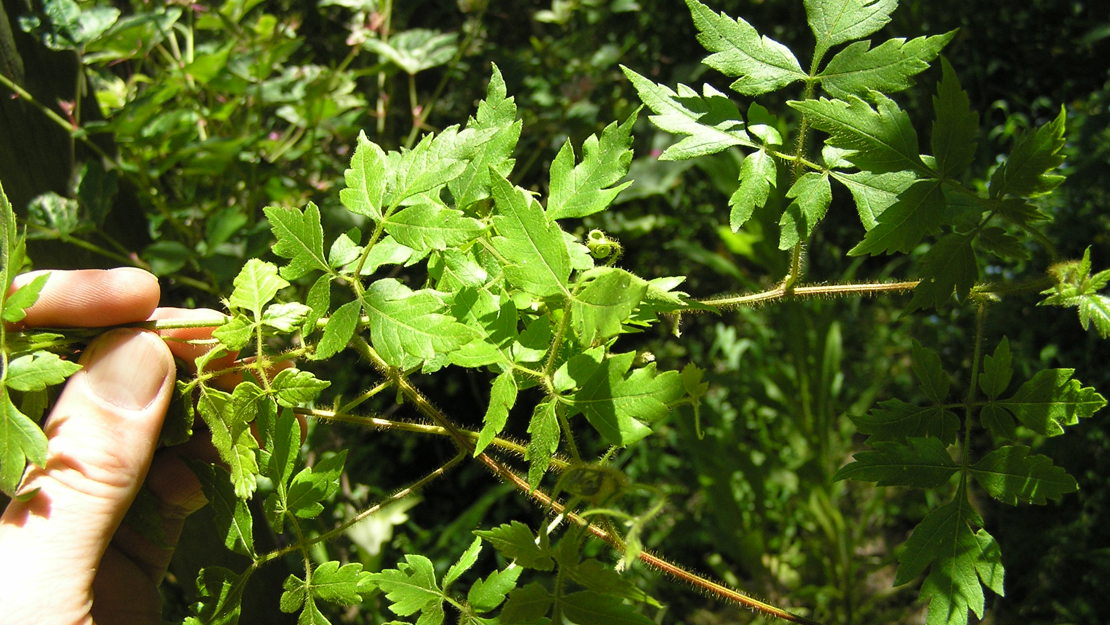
[[439, 257]]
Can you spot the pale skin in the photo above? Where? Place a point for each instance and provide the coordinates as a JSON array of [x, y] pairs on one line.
[[65, 556]]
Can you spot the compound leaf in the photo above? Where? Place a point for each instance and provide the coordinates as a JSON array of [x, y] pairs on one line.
[[38, 370], [1011, 474], [919, 211], [599, 309], [411, 588], [874, 193], [857, 70], [761, 63], [20, 440], [882, 139], [591, 186], [496, 112], [956, 127], [811, 195], [1026, 170], [299, 237], [1051, 400], [344, 584], [895, 419], [431, 226], [409, 326]]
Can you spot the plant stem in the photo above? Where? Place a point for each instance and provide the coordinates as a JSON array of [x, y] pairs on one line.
[[819, 290]]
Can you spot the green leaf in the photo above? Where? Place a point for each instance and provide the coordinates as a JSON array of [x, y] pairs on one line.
[[516, 542], [811, 195], [339, 330], [294, 387], [997, 370], [20, 440], [837, 21], [231, 513], [527, 605], [587, 607], [488, 593], [711, 121], [757, 175], [411, 587], [919, 211], [531, 243], [286, 318], [315, 484], [431, 226], [416, 49], [282, 445], [407, 326], [343, 585], [235, 333], [761, 63], [607, 301], [1012, 475], [496, 112], [426, 168], [544, 428], [220, 593], [18, 301], [366, 180], [958, 558], [1025, 171], [857, 70], [916, 462], [493, 318], [34, 372], [948, 266], [591, 186], [502, 397], [463, 564], [874, 193], [1052, 400], [299, 237], [256, 284], [618, 404], [956, 127], [882, 139], [896, 419]]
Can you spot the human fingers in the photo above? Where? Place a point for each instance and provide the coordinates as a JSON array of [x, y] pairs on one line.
[[89, 298], [102, 433]]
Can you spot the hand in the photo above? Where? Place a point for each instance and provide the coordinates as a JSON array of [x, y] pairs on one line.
[[66, 557]]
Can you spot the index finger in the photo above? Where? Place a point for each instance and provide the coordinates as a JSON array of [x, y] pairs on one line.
[[91, 298]]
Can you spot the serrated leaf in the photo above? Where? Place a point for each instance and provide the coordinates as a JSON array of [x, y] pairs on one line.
[[231, 513], [256, 284], [857, 70], [997, 370], [882, 139], [757, 175], [544, 428], [956, 127], [949, 266], [17, 302], [895, 419], [837, 21], [235, 333], [299, 237], [343, 585], [366, 180], [591, 186], [531, 243], [220, 593], [463, 564], [945, 543], [430, 226], [21, 440], [915, 462], [1052, 400], [411, 587], [1025, 173], [761, 63], [37, 371], [492, 318], [516, 542], [619, 403], [315, 484], [919, 211], [488, 593], [282, 445], [811, 195], [1013, 475], [286, 317], [338, 331], [502, 397], [599, 309], [711, 122], [407, 326], [232, 437], [1095, 309], [427, 167], [496, 112], [603, 578], [874, 193], [293, 387]]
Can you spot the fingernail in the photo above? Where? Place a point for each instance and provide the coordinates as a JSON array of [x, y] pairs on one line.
[[127, 368]]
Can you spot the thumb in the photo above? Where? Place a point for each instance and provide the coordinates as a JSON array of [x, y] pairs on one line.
[[102, 434]]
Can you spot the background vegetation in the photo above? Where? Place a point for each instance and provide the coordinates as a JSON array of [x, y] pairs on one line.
[[161, 130]]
